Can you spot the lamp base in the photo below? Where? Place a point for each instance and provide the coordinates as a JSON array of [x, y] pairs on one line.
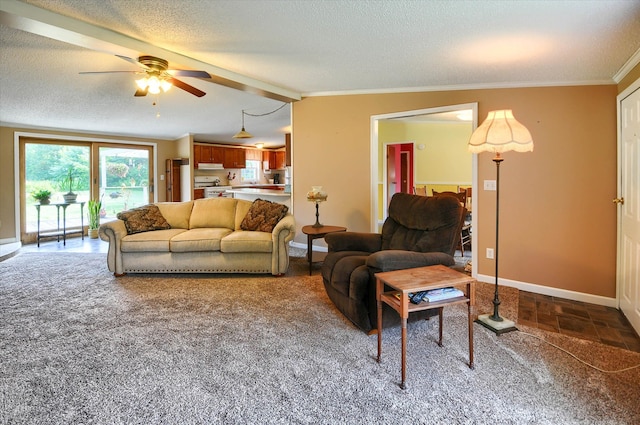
[[501, 327]]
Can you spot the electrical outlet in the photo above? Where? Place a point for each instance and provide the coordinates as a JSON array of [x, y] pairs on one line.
[[489, 185], [490, 253], [161, 177]]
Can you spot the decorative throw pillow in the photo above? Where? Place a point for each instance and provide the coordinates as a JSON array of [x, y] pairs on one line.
[[143, 219], [263, 216]]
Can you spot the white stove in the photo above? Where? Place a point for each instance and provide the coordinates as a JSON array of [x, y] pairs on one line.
[[211, 186]]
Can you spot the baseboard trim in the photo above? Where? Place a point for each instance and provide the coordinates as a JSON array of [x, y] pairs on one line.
[[524, 286], [554, 292], [316, 248], [8, 249]]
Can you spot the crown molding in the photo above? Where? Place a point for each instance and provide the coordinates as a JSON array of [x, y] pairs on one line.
[[486, 86], [627, 67]]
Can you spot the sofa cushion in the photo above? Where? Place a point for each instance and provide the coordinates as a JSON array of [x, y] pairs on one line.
[[213, 213], [157, 241], [143, 219], [198, 240], [263, 216], [177, 214], [247, 241]]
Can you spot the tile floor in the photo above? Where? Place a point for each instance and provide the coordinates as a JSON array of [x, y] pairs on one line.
[[574, 318], [606, 325]]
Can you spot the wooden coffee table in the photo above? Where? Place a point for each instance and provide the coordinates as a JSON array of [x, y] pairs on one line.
[[419, 279], [312, 233]]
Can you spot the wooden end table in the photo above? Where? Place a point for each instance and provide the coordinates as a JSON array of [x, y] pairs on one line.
[[317, 233], [419, 279]]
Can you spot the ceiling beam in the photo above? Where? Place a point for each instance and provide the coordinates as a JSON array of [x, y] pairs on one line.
[[45, 23]]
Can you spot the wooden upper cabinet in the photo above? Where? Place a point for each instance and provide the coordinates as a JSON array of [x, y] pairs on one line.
[[276, 160], [228, 157], [217, 154], [235, 158], [280, 160], [210, 154]]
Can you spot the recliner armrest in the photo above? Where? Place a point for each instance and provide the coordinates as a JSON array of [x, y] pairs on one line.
[[353, 241], [393, 259]]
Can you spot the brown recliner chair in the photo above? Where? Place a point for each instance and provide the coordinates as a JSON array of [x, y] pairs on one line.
[[420, 231]]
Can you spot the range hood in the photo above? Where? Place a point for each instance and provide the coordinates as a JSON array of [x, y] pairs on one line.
[[209, 166]]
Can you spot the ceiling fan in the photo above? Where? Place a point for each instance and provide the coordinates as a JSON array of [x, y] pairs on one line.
[[157, 76]]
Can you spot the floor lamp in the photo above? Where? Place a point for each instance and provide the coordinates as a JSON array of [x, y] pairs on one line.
[[499, 133]]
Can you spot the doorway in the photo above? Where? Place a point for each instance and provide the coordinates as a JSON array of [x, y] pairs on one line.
[[399, 169], [628, 257], [467, 114]]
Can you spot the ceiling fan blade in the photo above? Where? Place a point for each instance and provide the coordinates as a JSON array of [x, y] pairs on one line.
[[134, 61], [108, 72], [186, 87], [188, 73], [140, 93]]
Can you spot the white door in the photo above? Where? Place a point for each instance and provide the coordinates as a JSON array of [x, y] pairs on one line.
[[629, 204]]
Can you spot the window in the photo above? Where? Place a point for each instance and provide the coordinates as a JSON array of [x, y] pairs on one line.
[[121, 175], [251, 173]]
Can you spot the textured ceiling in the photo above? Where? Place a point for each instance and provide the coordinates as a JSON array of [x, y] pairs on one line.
[[299, 47]]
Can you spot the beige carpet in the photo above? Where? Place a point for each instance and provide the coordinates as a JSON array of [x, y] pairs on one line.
[[80, 346]]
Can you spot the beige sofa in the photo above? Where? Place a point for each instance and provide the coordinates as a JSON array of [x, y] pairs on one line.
[[205, 237]]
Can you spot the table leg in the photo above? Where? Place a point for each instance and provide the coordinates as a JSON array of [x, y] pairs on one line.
[[404, 353], [38, 208], [379, 318], [404, 315], [64, 225], [310, 252], [440, 310], [58, 215], [82, 220], [470, 335]]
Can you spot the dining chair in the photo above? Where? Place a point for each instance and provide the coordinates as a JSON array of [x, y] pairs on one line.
[[422, 190]]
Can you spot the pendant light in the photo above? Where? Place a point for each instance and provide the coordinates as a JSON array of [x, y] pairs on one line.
[[242, 134]]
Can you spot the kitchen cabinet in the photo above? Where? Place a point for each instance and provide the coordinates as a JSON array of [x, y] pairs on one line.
[[217, 154], [280, 160], [235, 158], [274, 160], [207, 154], [198, 193]]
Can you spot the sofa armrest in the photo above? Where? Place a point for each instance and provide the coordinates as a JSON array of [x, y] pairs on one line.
[[393, 259], [282, 233], [353, 241], [113, 232]]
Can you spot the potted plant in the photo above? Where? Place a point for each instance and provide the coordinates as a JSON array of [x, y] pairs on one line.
[[68, 182], [42, 195], [94, 208]]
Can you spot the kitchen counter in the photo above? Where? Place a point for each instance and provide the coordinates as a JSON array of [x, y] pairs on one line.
[[260, 186], [258, 191], [251, 194]]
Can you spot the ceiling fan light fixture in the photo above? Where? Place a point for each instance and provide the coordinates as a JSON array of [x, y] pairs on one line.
[[165, 85], [153, 84], [142, 83]]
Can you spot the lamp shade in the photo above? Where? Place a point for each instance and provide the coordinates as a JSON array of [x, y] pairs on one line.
[[501, 132], [242, 134]]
